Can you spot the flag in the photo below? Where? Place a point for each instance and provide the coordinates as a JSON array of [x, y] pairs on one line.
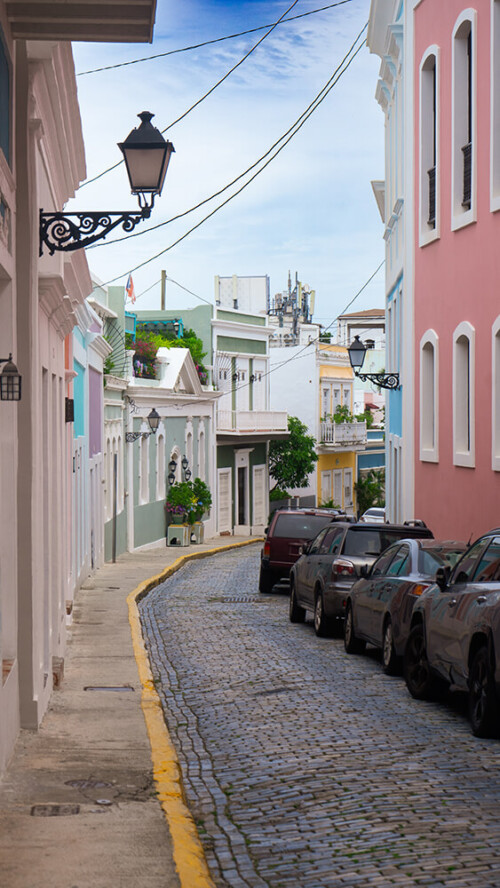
[[129, 289]]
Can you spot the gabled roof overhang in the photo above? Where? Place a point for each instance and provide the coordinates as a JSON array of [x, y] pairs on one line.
[[110, 21]]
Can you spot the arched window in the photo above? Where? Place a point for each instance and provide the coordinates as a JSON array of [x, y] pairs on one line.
[[463, 159], [429, 146], [160, 465], [463, 395], [143, 470], [201, 452], [429, 400]]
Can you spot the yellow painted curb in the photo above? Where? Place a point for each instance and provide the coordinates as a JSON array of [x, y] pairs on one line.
[[189, 857]]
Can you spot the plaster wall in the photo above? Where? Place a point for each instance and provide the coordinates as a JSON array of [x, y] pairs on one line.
[[456, 280]]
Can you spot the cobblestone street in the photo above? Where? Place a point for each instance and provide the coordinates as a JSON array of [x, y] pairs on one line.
[[304, 767]]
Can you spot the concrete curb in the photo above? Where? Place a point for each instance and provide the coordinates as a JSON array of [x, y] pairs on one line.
[[188, 852]]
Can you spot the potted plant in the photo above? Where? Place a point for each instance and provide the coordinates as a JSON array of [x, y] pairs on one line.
[[203, 501], [180, 503]]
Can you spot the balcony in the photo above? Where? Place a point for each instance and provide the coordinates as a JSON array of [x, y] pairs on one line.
[[343, 435], [252, 424]]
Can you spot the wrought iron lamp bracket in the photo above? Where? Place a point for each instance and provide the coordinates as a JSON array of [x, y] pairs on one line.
[[383, 380], [72, 231], [130, 437]]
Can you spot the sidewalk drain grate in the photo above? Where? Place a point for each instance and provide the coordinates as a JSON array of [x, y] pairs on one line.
[[105, 688], [54, 810], [273, 691], [87, 784], [240, 599]]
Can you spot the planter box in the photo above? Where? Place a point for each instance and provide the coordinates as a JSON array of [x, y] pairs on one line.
[[178, 535], [198, 530]]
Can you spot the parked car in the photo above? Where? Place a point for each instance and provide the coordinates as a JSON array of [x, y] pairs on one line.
[[379, 605], [374, 515], [455, 634], [288, 531], [322, 577]]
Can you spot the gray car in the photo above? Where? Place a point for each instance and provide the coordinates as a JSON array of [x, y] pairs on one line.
[[455, 634], [380, 605], [323, 575]]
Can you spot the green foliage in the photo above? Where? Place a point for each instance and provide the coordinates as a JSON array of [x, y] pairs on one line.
[[325, 336], [329, 504], [370, 489], [292, 460], [278, 494], [203, 498], [191, 499], [342, 414], [366, 416], [148, 343]]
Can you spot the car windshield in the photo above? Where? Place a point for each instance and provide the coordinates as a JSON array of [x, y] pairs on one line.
[[300, 527], [430, 559], [370, 541]]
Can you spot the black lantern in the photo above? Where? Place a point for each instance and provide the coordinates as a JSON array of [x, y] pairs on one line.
[[146, 155], [172, 466], [10, 381], [357, 351], [153, 420], [184, 463]]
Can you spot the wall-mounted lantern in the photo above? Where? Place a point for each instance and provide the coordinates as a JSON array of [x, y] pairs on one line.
[[146, 155], [10, 381], [153, 418], [357, 351]]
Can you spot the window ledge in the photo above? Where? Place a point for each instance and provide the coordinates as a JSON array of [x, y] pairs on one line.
[[467, 460], [461, 220]]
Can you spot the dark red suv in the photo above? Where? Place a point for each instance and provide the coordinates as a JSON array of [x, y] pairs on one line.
[[288, 531]]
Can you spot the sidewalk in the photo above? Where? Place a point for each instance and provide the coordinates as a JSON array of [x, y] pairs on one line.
[[78, 804]]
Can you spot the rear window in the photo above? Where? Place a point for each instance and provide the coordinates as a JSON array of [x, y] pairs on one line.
[[299, 527], [371, 542]]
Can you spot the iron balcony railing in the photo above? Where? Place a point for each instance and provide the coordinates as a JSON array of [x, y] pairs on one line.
[[467, 196], [432, 196]]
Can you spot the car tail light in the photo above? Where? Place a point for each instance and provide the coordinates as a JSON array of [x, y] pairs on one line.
[[419, 588], [342, 568], [267, 550]]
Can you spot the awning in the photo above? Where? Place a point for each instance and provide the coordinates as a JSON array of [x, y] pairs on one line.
[[109, 21]]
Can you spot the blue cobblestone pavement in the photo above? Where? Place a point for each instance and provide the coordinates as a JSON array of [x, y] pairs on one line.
[[306, 768]]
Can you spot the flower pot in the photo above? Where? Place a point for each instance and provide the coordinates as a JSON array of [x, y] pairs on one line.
[[177, 519], [197, 531]]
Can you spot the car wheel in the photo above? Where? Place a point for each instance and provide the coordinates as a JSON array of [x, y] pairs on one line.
[[390, 662], [417, 671], [352, 644], [322, 625], [266, 580], [483, 709], [297, 613]]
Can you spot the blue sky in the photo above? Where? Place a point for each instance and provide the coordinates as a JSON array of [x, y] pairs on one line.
[[311, 211]]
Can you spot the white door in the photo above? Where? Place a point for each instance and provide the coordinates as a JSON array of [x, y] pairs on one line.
[[259, 497], [337, 487], [224, 522], [348, 492], [326, 486]]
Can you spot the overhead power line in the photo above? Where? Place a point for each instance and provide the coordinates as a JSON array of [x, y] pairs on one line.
[[207, 94], [162, 55], [314, 105], [314, 102]]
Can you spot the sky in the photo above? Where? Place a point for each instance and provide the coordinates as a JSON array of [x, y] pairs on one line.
[[311, 211]]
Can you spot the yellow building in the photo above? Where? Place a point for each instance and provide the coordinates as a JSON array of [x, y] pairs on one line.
[[338, 443]]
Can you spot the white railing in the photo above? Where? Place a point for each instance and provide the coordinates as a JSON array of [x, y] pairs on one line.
[[252, 420], [343, 434]]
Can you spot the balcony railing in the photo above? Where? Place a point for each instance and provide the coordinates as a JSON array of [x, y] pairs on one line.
[[343, 434], [252, 421]]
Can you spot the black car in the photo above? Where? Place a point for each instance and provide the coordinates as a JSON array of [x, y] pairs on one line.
[[380, 605], [322, 577], [455, 634]]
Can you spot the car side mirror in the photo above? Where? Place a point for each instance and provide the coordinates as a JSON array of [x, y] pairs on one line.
[[305, 548], [364, 571], [442, 577], [266, 530]]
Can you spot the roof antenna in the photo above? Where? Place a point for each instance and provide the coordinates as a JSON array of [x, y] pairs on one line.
[[470, 538]]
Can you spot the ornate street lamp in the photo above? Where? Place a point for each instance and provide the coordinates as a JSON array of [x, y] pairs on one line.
[[171, 471], [153, 418], [185, 468], [10, 381], [356, 351], [146, 155]]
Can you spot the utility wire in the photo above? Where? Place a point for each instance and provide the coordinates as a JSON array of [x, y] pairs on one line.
[[208, 93], [167, 278], [161, 55], [232, 196], [314, 102]]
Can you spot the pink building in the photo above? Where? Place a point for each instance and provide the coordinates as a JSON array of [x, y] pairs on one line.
[[456, 251]]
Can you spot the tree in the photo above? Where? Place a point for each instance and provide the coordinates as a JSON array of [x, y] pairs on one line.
[[292, 460], [370, 490]]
